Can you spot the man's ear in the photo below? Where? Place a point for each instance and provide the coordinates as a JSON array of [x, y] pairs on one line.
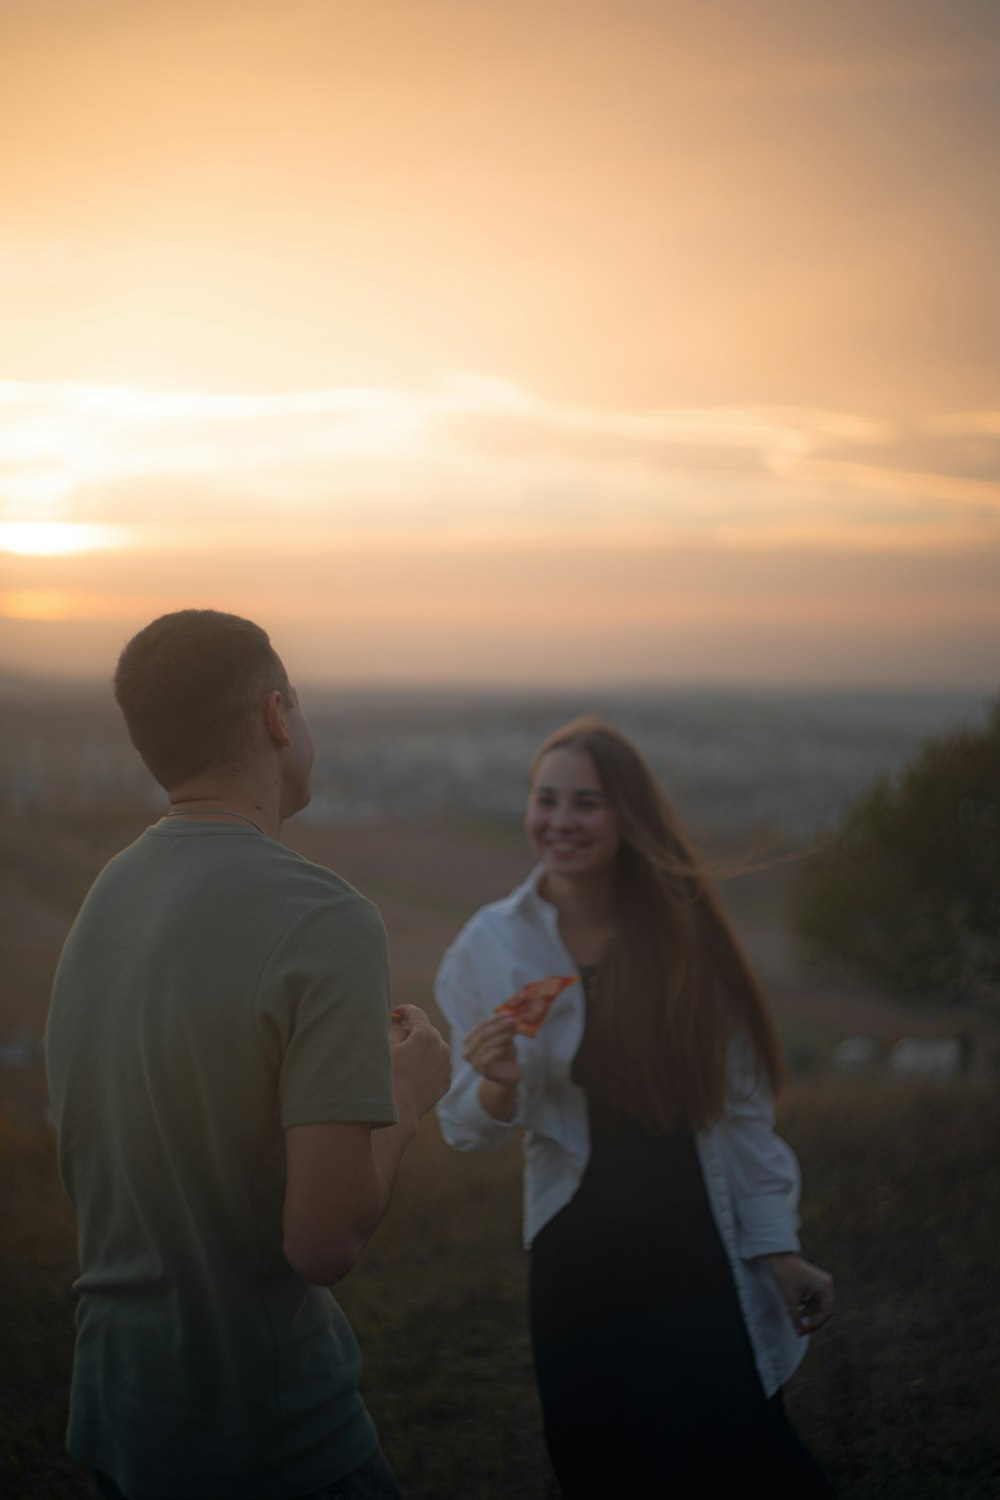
[[274, 719]]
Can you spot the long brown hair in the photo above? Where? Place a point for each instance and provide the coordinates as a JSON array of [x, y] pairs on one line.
[[676, 985]]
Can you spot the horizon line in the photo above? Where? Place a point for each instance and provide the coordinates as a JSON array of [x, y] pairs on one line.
[[12, 678]]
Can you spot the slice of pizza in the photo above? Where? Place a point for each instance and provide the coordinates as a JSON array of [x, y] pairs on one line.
[[531, 1004]]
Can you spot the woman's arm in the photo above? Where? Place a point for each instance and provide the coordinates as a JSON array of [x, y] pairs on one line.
[[807, 1290], [761, 1169], [764, 1183], [480, 1110], [489, 1050]]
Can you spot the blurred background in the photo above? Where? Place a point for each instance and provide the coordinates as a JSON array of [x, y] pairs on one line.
[[507, 362]]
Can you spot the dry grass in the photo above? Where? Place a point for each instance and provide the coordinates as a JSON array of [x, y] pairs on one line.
[[897, 1397]]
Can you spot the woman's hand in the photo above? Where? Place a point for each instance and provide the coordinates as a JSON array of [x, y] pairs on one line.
[[489, 1048], [807, 1290]]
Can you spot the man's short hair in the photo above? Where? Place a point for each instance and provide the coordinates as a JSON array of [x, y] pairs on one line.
[[189, 685]]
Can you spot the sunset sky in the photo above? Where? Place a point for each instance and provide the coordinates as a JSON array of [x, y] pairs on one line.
[[493, 341]]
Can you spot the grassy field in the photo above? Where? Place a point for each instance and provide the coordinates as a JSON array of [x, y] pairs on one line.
[[898, 1397]]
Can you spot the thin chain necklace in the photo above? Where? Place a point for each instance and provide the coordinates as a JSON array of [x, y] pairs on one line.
[[212, 812]]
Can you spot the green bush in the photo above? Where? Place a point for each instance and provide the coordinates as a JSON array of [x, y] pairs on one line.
[[907, 890]]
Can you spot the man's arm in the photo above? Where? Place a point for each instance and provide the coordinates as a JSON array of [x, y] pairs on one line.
[[339, 1181], [340, 1174]]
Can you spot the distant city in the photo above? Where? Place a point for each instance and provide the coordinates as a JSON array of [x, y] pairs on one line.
[[785, 763]]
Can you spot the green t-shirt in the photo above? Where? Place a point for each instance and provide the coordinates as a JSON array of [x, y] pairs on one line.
[[215, 988]]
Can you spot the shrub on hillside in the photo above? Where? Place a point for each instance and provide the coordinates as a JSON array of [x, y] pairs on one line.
[[907, 891]]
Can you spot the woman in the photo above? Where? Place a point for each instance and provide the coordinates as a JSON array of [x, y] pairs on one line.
[[668, 1299]]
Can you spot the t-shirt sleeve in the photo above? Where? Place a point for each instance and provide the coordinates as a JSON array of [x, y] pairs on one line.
[[323, 1006]]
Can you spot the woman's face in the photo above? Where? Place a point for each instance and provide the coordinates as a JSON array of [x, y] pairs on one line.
[[571, 826]]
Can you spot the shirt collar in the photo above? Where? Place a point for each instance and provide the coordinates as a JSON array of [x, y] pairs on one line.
[[528, 897]]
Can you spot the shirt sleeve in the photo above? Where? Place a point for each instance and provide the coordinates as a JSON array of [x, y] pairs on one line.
[[762, 1171], [464, 1122], [324, 1005]]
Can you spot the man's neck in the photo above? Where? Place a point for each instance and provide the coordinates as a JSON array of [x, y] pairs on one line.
[[219, 800]]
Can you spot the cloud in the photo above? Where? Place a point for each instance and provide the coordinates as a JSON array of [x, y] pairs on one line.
[[470, 456]]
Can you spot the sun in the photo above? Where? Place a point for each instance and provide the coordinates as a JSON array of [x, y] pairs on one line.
[[55, 538]]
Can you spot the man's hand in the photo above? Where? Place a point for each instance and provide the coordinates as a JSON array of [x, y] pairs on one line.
[[807, 1290], [421, 1062]]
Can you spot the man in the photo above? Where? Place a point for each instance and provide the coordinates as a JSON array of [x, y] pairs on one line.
[[233, 1102]]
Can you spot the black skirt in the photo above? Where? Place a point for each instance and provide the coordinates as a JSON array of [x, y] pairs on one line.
[[645, 1370]]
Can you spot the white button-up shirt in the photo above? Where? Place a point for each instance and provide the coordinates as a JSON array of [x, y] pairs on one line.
[[751, 1175]]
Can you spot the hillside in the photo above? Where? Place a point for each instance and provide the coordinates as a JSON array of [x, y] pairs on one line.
[[898, 1397]]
